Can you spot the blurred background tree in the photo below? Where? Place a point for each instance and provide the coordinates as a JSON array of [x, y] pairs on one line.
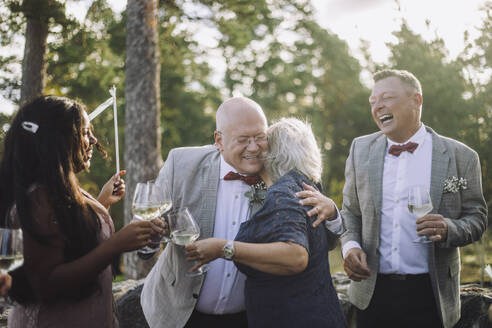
[[272, 51], [142, 112]]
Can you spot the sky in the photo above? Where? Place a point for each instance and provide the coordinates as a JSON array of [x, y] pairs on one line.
[[375, 20], [371, 20]]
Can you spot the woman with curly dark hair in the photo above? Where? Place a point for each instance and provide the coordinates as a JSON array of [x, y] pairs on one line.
[[69, 238]]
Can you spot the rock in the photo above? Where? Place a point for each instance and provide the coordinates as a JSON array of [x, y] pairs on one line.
[[476, 304], [3, 320], [122, 287], [4, 313], [127, 298], [342, 283]]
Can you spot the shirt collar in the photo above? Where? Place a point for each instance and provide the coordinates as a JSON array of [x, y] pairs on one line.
[[418, 137], [225, 167]]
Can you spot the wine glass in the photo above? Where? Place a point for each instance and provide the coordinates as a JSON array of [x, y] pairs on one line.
[[149, 201], [11, 248], [148, 204], [419, 204], [184, 231], [166, 197]]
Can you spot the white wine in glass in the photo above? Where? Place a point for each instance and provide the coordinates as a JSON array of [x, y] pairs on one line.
[[183, 237], [419, 204], [152, 201], [11, 249], [149, 204], [149, 211], [148, 201], [184, 231], [8, 263], [420, 211]]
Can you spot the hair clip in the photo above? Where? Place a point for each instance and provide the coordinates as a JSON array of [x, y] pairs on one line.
[[30, 126]]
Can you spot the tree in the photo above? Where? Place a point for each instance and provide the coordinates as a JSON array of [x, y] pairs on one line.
[[142, 113], [477, 59], [310, 74], [445, 108], [189, 99], [39, 16], [33, 64]]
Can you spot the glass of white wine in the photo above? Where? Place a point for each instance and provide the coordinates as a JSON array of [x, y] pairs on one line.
[[419, 204], [184, 231], [149, 204], [11, 249], [149, 201]]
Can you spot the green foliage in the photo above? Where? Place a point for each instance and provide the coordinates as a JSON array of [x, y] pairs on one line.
[[313, 77], [477, 62], [83, 64], [9, 82], [13, 14], [48, 11], [189, 100], [4, 126]]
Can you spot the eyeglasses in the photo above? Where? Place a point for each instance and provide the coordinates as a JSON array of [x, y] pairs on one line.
[[243, 141]]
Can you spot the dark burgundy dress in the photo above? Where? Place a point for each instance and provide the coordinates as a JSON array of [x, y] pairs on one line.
[[95, 311]]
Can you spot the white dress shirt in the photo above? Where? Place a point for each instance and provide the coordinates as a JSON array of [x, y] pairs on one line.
[[335, 225], [223, 287], [397, 251]]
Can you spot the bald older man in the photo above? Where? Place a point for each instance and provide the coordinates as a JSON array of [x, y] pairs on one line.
[[196, 178]]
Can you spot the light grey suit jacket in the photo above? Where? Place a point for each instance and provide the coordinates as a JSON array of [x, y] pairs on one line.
[[465, 213], [168, 296]]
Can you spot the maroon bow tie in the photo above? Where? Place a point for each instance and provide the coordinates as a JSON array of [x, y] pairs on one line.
[[249, 179], [396, 150]]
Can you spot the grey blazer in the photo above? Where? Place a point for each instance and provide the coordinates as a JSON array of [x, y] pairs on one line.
[[465, 213], [168, 297]]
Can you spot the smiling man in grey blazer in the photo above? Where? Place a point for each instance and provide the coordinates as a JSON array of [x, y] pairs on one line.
[[398, 282], [198, 178]]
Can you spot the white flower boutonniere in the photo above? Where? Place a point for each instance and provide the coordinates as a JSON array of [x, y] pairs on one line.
[[454, 184], [257, 193]]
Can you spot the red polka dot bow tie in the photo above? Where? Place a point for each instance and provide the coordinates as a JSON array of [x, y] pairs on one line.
[[249, 179], [396, 150]]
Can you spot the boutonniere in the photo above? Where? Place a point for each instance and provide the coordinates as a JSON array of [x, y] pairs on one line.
[[453, 184], [257, 193]]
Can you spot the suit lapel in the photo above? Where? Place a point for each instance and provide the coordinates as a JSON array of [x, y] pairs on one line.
[[439, 171], [376, 163], [209, 184]]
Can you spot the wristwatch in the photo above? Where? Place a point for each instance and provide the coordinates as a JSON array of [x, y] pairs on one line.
[[228, 250]]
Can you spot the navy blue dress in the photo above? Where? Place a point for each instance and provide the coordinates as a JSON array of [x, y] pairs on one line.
[[307, 299]]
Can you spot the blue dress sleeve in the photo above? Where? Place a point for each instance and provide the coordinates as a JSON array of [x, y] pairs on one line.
[[282, 219]]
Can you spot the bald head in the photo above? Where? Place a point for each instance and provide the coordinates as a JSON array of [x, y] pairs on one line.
[[237, 110], [241, 134]]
